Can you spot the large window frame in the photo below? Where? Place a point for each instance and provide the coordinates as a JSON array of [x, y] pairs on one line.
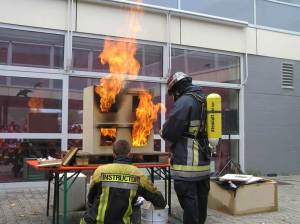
[[51, 47], [25, 72], [64, 74]]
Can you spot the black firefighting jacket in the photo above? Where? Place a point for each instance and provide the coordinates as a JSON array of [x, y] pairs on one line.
[[186, 130], [113, 191]]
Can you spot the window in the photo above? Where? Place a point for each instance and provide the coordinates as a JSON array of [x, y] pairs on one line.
[[152, 63], [86, 57], [76, 86], [75, 143], [205, 66], [230, 105], [32, 48], [58, 57], [30, 105], [226, 150], [28, 54], [233, 9], [81, 59], [3, 80], [165, 3], [3, 52], [27, 82], [267, 15]]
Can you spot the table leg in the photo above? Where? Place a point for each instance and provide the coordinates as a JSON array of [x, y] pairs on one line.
[[57, 199], [165, 180], [65, 198], [152, 174], [56, 179], [48, 193], [169, 189]]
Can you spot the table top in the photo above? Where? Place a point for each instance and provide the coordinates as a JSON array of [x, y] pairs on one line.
[[35, 163]]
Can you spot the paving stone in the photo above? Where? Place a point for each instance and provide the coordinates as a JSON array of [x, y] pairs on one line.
[[26, 204]]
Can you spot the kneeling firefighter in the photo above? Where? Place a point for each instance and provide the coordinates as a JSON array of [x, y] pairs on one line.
[[115, 188], [186, 130]]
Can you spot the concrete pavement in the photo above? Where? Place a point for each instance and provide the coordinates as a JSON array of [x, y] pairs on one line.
[[25, 203]]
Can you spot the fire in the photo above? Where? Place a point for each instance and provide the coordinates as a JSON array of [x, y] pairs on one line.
[[146, 114], [121, 59], [35, 104], [120, 56], [108, 132]]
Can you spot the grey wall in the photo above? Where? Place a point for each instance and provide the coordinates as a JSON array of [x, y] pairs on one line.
[[272, 118]]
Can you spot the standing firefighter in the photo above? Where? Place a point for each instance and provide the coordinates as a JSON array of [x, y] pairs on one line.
[[186, 130], [115, 188]]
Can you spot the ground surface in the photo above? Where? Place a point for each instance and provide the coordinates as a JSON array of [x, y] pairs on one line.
[[25, 203]]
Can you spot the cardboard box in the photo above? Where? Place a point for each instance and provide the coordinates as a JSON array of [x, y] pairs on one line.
[[247, 199]]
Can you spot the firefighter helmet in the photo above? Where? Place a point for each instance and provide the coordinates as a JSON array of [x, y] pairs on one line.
[[176, 78]]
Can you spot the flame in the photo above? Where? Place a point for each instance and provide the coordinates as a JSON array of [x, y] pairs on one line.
[[146, 114], [109, 132], [120, 56], [35, 104]]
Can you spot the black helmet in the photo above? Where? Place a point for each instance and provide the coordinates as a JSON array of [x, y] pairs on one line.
[[176, 78]]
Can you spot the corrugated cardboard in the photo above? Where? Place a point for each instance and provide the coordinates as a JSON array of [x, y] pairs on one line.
[[247, 199]]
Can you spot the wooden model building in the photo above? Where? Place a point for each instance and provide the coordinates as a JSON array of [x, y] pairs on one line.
[[118, 121]]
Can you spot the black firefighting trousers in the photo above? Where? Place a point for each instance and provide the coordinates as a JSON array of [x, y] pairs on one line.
[[192, 196]]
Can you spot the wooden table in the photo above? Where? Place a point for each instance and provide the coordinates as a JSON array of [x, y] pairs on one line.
[[160, 169]]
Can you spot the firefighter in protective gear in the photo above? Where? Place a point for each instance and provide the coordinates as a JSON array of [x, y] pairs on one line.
[[115, 188], [186, 130]]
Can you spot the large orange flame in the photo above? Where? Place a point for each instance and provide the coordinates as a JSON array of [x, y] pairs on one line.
[[120, 56], [35, 104], [109, 132], [121, 59], [146, 114]]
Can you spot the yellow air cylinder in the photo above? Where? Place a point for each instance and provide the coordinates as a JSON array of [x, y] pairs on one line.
[[214, 118]]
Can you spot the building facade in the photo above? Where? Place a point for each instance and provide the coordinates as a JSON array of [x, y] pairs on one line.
[[247, 51]]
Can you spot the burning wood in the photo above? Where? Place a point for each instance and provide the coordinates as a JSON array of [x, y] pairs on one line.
[[110, 132], [108, 135], [146, 114]]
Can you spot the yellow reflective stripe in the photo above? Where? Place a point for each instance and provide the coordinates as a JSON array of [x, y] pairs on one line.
[[105, 204], [127, 215], [190, 168], [195, 153], [193, 130], [102, 205]]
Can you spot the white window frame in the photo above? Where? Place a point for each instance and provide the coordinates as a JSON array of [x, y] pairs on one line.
[[64, 136], [30, 72]]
